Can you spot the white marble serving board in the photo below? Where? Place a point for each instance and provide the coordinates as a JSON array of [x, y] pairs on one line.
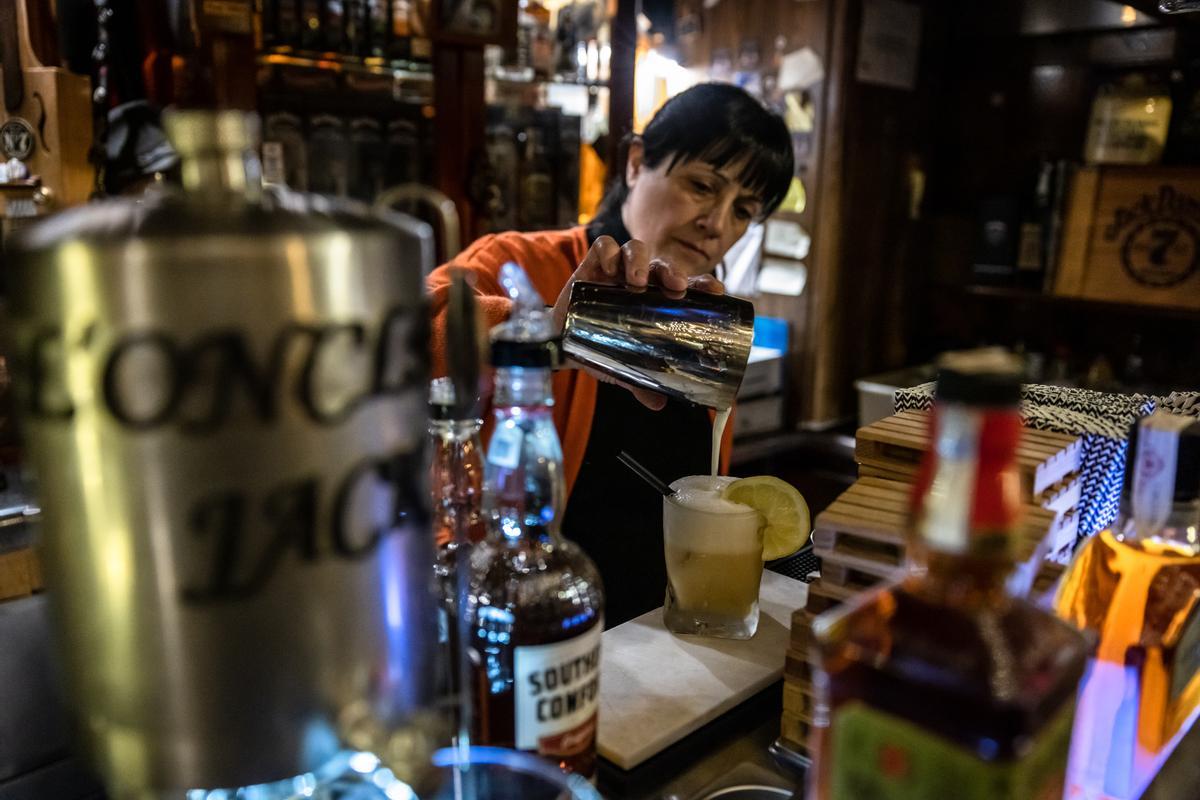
[[656, 687]]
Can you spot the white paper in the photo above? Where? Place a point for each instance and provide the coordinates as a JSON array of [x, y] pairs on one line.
[[800, 69], [782, 277], [889, 44], [788, 239]]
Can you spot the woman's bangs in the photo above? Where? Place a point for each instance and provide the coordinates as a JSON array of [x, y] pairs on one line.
[[760, 169]]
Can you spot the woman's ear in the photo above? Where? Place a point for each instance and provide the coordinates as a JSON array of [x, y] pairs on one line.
[[634, 161]]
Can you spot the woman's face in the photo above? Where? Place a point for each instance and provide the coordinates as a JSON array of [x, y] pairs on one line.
[[688, 216]]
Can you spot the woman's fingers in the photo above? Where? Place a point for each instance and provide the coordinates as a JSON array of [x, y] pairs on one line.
[[706, 283], [602, 262], [668, 278], [635, 256]]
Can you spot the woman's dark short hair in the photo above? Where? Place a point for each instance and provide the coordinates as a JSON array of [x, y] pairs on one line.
[[718, 124]]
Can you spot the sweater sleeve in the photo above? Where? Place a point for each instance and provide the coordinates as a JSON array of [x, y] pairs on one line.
[[482, 261]]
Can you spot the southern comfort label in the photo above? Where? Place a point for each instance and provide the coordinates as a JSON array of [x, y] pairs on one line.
[[557, 689]]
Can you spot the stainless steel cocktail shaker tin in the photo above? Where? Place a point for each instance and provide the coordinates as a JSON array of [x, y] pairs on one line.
[[692, 347]]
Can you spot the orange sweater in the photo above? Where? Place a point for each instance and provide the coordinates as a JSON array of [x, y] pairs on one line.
[[549, 258]]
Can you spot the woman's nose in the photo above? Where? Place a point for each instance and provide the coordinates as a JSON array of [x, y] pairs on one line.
[[714, 221]]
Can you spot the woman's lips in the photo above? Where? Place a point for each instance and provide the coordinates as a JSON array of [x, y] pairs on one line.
[[693, 249]]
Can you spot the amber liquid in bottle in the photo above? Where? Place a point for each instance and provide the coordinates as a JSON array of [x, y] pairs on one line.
[[943, 680], [1141, 598]]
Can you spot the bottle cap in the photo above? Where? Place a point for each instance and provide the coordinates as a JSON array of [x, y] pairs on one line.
[[441, 399], [989, 376], [527, 338]]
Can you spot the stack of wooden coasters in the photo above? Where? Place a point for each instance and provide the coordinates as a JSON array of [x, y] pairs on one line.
[[861, 536]]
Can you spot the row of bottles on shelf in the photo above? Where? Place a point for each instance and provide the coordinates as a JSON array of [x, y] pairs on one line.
[[348, 156], [377, 29], [570, 44], [533, 165], [532, 173]]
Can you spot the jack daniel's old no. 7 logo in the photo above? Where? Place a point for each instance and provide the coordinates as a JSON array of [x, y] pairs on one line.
[[1158, 237]]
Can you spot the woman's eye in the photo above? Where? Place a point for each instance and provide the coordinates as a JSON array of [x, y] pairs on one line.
[[743, 213], [701, 186]]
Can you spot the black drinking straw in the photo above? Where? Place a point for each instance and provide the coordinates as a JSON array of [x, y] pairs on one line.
[[645, 474]]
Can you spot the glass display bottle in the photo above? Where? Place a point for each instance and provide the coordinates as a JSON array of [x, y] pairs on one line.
[[1137, 587]]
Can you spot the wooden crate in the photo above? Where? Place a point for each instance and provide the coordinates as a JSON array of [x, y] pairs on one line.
[[892, 449], [1132, 235]]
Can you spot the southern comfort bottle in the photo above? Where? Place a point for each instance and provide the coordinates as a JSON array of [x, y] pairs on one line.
[[536, 601], [942, 684]]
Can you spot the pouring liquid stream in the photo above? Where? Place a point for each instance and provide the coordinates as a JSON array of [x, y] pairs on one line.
[[719, 422]]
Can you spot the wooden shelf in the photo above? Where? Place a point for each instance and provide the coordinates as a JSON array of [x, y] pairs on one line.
[[403, 72], [1037, 298]]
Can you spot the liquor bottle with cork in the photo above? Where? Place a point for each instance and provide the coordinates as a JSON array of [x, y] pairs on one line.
[[942, 684], [1137, 587], [536, 601]]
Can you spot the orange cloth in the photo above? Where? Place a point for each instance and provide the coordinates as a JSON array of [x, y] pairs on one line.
[[549, 258]]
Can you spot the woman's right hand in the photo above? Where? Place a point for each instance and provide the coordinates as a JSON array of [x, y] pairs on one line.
[[621, 265], [627, 265]]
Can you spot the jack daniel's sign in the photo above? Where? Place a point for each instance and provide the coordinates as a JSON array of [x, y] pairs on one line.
[[1158, 236], [1132, 235]]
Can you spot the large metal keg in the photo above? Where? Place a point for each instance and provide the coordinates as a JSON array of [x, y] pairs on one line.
[[223, 396]]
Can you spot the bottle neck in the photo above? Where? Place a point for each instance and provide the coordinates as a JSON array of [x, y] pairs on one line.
[[222, 174], [218, 155], [454, 430], [524, 489], [967, 504], [526, 387]]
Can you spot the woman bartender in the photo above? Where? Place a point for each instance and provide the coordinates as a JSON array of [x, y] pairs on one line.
[[712, 160]]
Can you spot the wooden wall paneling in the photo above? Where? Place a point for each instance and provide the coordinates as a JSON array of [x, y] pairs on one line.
[[458, 99], [623, 35], [818, 406]]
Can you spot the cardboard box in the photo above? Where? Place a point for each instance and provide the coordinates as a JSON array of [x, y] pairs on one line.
[[754, 417], [764, 373], [1132, 235]]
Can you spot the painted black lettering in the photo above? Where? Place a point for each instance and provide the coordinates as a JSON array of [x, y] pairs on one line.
[[291, 511], [535, 684], [161, 346], [221, 518], [400, 352], [308, 388], [45, 380], [226, 355]]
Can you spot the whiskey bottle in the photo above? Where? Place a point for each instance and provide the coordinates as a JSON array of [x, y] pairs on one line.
[[1137, 587], [942, 684], [536, 602]]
